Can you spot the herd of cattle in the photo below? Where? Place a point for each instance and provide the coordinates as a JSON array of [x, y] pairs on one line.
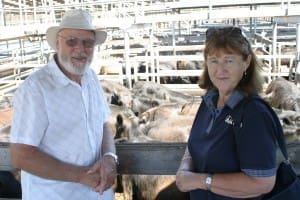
[[151, 112]]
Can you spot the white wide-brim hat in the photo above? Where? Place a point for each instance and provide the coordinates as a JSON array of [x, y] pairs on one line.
[[75, 19]]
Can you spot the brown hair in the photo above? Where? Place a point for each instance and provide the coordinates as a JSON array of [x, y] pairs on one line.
[[230, 39]]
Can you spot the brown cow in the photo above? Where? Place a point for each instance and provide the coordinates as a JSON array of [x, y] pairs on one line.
[[116, 93], [148, 95], [282, 94], [160, 112], [122, 121], [164, 123]]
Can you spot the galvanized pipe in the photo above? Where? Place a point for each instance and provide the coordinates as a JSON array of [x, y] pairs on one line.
[[297, 78]]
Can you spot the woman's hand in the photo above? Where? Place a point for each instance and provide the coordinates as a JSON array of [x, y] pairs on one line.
[[187, 180]]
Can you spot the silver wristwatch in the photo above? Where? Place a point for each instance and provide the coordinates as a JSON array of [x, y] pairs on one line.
[[115, 157], [208, 181]]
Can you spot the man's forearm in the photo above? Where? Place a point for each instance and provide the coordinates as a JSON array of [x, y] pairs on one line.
[[34, 161], [108, 144]]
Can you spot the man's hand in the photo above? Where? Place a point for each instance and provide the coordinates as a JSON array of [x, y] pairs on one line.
[[107, 170], [89, 178]]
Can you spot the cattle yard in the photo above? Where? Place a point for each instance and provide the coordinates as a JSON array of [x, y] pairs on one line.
[[149, 67], [158, 41]]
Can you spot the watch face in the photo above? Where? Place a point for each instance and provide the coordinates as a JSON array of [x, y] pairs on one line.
[[208, 180]]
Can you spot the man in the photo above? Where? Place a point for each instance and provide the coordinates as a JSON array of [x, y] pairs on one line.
[[60, 136]]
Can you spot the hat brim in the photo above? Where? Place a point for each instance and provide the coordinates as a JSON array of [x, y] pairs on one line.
[[100, 36]]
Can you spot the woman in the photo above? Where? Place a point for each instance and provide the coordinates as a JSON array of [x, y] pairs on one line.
[[215, 165]]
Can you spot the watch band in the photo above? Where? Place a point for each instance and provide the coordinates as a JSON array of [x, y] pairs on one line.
[[113, 155], [208, 181]]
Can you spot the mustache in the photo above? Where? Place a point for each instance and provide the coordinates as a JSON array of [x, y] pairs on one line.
[[80, 55]]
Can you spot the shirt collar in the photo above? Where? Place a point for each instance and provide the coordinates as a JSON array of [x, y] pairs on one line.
[[211, 96]]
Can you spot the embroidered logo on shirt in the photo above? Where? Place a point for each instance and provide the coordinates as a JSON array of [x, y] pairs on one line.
[[229, 120]]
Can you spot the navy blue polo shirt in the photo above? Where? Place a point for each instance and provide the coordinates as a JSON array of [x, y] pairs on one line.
[[213, 147]]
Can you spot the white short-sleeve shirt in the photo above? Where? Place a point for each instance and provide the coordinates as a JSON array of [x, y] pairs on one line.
[[63, 119]]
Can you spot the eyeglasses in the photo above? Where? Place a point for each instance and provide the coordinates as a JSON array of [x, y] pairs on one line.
[[74, 41], [225, 31]]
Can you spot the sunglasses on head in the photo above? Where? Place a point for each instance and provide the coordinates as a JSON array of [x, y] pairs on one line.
[[225, 31], [74, 41]]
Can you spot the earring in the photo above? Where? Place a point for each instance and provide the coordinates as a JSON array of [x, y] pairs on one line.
[[245, 73]]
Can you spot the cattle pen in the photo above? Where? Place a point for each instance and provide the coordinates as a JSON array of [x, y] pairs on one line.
[[147, 39], [154, 41]]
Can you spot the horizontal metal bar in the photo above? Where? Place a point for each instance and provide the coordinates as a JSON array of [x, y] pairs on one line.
[[150, 158], [153, 158], [134, 158]]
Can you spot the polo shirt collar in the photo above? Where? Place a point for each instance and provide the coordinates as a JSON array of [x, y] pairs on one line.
[[212, 95], [234, 99]]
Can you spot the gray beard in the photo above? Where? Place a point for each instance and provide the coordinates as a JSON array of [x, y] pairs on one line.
[[71, 68]]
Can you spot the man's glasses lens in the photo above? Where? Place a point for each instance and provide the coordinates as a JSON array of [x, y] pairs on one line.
[[73, 41]]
